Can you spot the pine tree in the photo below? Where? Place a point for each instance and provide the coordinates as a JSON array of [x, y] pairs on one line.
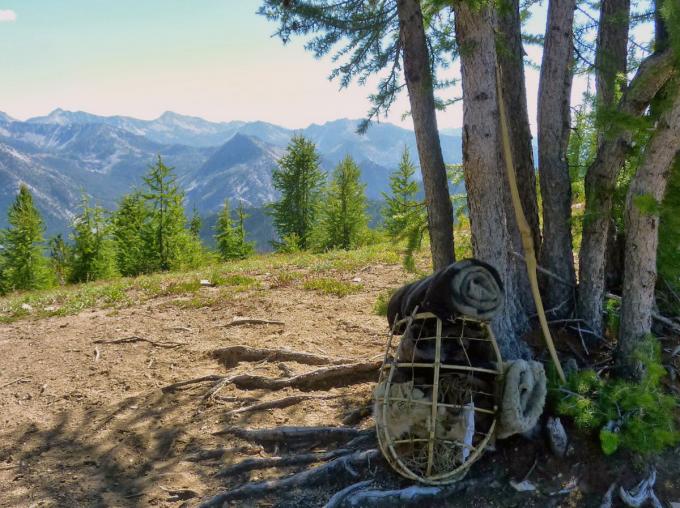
[[22, 262], [230, 234], [401, 206], [93, 254], [60, 258], [195, 224], [299, 179], [246, 248], [128, 226], [169, 244], [344, 220]]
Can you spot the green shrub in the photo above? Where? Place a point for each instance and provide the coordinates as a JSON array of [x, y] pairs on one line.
[[631, 415], [380, 306]]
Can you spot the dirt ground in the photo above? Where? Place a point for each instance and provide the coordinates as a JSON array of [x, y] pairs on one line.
[[88, 424]]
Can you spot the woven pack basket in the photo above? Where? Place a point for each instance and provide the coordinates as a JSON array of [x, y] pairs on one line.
[[434, 419]]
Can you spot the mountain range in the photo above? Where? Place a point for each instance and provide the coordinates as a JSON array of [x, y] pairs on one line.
[[65, 154]]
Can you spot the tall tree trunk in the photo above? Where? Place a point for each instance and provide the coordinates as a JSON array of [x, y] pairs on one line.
[[511, 60], [611, 57], [483, 168], [418, 75], [554, 120], [642, 234], [600, 181]]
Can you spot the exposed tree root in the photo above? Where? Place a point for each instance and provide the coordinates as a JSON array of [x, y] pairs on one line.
[[357, 415], [252, 321], [326, 377], [292, 434], [218, 453], [338, 468], [279, 403], [414, 496], [203, 379], [232, 355], [135, 338], [289, 460]]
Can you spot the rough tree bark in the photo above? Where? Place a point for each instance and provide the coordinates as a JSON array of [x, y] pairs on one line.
[[611, 57], [483, 168], [600, 181], [554, 120], [511, 60], [642, 234], [418, 76]]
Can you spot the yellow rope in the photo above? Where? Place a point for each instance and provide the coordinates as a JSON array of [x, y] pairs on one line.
[[524, 229]]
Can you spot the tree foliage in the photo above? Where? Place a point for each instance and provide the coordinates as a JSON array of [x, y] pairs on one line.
[[344, 218], [299, 179], [93, 254], [129, 231], [230, 234], [23, 265]]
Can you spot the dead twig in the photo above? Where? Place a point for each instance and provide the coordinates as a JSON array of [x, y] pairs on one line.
[[289, 460], [20, 380], [135, 338], [335, 469], [232, 355], [97, 354]]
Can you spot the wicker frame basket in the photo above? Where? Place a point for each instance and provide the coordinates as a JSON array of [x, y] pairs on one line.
[[432, 458]]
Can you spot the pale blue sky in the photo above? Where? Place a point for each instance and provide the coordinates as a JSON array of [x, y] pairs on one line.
[[210, 58]]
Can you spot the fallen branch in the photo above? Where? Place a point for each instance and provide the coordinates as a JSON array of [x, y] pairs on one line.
[[251, 321], [232, 355], [204, 379], [289, 460], [355, 416], [279, 403], [292, 434], [333, 470], [135, 338]]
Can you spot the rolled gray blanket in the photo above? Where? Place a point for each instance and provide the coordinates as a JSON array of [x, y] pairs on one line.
[[523, 397], [467, 288]]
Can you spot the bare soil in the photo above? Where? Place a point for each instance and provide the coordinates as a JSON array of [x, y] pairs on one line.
[[88, 424]]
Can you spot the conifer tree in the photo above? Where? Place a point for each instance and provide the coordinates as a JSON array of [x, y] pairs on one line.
[[344, 221], [401, 206], [230, 234], [60, 258], [167, 240], [22, 262], [299, 179], [93, 254], [195, 224], [128, 226]]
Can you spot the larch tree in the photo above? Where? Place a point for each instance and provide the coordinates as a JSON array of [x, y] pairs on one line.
[[23, 265], [645, 195], [554, 124], [93, 255], [483, 168], [129, 225], [344, 219], [419, 81], [402, 207], [652, 74], [378, 38], [299, 179]]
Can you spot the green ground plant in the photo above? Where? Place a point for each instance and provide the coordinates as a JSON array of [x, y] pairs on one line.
[[625, 415]]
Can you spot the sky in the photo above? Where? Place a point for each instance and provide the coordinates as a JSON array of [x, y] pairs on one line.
[[215, 59]]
